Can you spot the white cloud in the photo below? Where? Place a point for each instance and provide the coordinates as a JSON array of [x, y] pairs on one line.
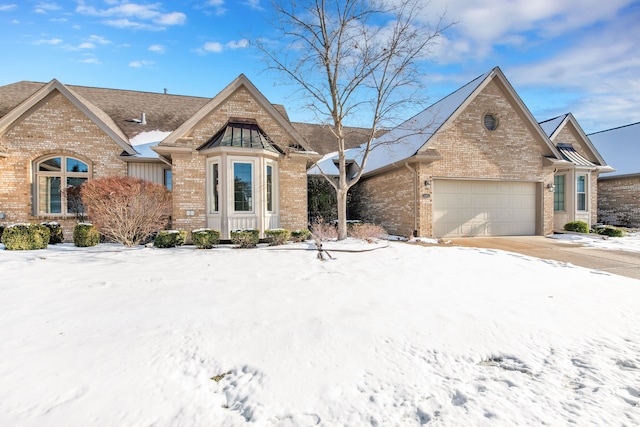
[[44, 7], [8, 7], [218, 5], [240, 44], [90, 60], [87, 45], [485, 24], [99, 39], [49, 41], [158, 48], [134, 16], [140, 64], [253, 4], [214, 47]]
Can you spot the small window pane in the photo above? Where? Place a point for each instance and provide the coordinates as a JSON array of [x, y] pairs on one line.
[[269, 188], [242, 187], [558, 195], [51, 165], [581, 193], [168, 179], [49, 197], [74, 204], [215, 184], [490, 122], [76, 166]]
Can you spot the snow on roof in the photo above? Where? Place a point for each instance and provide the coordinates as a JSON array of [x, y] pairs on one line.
[[405, 140], [143, 142], [551, 125], [621, 147]]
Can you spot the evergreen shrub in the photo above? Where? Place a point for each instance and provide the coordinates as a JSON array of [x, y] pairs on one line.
[[55, 232], [205, 238], [85, 235], [25, 237], [577, 226], [300, 235], [277, 236], [245, 238], [170, 238]]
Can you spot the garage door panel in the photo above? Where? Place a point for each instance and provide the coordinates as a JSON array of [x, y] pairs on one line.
[[483, 208]]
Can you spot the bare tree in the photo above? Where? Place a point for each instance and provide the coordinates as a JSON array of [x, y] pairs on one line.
[[352, 59]]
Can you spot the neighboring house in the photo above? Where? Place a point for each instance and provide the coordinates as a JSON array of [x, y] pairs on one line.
[[576, 194], [233, 161], [619, 193], [475, 163]]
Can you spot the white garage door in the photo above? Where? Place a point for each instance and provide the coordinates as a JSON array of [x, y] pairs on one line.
[[484, 208]]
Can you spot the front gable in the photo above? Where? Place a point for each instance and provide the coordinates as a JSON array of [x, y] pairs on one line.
[[55, 91], [240, 99], [565, 130]]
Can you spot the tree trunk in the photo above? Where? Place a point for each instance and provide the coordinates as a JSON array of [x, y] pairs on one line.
[[342, 213]]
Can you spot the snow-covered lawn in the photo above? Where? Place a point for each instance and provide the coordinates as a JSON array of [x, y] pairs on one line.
[[401, 335]]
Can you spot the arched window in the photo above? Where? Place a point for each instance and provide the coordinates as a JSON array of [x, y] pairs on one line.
[[57, 179]]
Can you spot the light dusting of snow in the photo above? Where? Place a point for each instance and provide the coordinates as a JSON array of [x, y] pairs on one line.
[[630, 242], [403, 335]]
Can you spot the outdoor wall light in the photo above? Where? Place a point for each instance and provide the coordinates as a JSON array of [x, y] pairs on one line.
[[427, 183], [2, 216], [551, 187]]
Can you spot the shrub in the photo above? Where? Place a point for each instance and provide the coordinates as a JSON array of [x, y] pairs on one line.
[[577, 226], [245, 238], [324, 231], [126, 210], [300, 235], [55, 232], [610, 231], [277, 236], [25, 237], [85, 235], [205, 238], [366, 231], [170, 238]]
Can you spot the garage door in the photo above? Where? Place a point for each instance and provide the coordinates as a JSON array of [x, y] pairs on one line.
[[484, 208]]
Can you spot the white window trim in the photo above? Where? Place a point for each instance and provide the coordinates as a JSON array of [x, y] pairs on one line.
[[274, 187], [586, 192]]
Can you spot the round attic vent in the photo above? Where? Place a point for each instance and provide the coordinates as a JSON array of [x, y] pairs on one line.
[[490, 122]]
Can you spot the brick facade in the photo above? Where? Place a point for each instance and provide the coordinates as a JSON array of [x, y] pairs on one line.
[[469, 151], [56, 126], [619, 201], [189, 169]]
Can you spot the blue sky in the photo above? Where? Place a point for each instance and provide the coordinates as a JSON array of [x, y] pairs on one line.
[[579, 56]]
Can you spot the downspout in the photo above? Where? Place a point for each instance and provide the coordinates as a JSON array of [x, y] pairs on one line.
[[415, 198]]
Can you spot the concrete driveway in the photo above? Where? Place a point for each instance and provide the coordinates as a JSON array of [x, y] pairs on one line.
[[623, 263]]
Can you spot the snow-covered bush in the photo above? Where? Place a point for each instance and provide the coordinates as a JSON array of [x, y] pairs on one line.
[[170, 238], [245, 238], [55, 232], [85, 235], [205, 238], [277, 236], [577, 226], [126, 210], [25, 237], [300, 235]]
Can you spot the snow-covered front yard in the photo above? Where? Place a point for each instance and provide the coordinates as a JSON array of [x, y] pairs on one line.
[[401, 335]]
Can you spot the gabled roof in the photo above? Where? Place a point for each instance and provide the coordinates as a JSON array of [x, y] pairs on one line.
[[413, 135], [217, 100], [553, 127], [99, 117], [621, 146]]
